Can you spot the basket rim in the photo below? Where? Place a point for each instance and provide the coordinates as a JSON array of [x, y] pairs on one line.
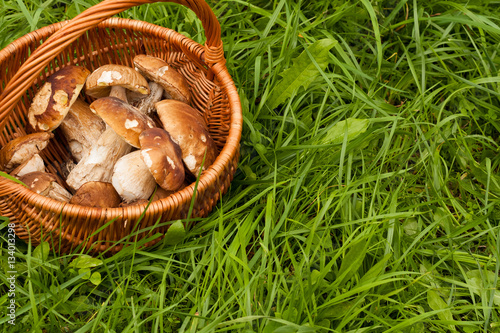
[[155, 208]]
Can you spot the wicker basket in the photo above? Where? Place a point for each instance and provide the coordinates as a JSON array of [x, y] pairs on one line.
[[93, 39]]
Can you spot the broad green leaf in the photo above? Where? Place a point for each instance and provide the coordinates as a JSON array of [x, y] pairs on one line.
[[303, 71], [338, 310], [352, 261], [375, 271], [42, 251], [429, 275], [95, 278], [286, 329], [471, 329], [294, 329], [442, 216], [271, 326], [175, 233], [290, 313], [410, 226], [351, 127], [77, 304], [436, 303], [315, 275], [475, 281], [85, 270], [323, 325], [85, 261], [485, 178]]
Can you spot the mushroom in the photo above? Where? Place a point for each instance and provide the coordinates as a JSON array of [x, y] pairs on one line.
[[159, 71], [132, 179], [82, 128], [125, 125], [123, 118], [53, 101], [189, 111], [114, 80], [96, 194], [163, 157], [98, 164], [35, 163], [45, 184], [21, 149], [185, 130]]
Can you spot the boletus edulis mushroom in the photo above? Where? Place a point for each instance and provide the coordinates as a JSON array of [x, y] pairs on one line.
[[53, 101], [189, 133], [132, 179], [159, 71], [21, 149], [96, 194], [163, 157], [114, 80], [45, 184], [81, 128], [35, 163]]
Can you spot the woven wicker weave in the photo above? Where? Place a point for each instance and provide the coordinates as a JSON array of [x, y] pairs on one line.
[[93, 39]]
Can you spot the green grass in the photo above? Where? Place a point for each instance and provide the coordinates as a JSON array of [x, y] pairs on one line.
[[388, 228]]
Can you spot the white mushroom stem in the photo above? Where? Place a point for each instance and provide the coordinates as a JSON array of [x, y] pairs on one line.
[[147, 105], [57, 192], [33, 164], [82, 128], [119, 92], [132, 179], [98, 164]]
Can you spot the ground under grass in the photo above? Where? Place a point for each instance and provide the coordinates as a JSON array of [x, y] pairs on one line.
[[367, 197]]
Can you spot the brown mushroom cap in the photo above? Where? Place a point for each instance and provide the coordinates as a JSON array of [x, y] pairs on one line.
[[123, 118], [96, 194], [45, 184], [38, 182], [21, 149], [189, 134], [156, 69], [99, 83], [163, 157], [53, 100], [189, 113]]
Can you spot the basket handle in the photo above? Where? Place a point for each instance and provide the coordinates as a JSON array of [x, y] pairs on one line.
[[90, 18]]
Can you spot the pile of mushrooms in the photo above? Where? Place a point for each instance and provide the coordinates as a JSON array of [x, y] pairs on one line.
[[120, 155]]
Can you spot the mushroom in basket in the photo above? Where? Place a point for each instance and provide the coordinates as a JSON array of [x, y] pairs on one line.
[[125, 124], [114, 81]]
